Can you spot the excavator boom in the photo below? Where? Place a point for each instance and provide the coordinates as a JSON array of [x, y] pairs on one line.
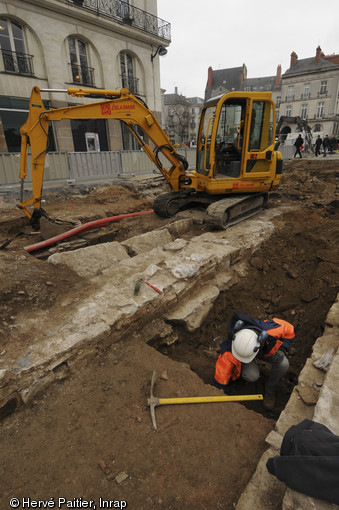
[[117, 104]]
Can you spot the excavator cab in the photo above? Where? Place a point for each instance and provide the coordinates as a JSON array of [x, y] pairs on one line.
[[236, 144]]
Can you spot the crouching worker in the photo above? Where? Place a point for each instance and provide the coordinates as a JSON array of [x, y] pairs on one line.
[[247, 338]]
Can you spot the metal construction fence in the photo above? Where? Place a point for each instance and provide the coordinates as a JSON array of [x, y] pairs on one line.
[[81, 166]]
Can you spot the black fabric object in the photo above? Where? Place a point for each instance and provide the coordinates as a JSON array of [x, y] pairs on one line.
[[309, 461]]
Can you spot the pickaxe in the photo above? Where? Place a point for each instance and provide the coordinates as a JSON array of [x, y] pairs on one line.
[[154, 401]]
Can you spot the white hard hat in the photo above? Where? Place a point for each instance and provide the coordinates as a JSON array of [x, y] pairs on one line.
[[245, 345]]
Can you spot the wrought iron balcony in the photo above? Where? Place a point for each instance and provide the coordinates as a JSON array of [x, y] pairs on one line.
[[130, 83], [125, 13], [82, 74], [19, 63]]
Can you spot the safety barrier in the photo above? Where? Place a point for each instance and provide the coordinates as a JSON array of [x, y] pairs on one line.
[[77, 166]]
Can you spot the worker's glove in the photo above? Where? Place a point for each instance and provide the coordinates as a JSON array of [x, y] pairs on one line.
[[262, 337], [237, 326]]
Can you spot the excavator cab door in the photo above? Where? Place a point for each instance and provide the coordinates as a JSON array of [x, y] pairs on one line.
[[257, 158], [204, 140]]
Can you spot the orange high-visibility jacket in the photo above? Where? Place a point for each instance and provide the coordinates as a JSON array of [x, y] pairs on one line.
[[280, 332]]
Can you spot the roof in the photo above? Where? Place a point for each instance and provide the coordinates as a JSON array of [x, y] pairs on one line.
[[229, 79], [260, 83], [307, 65], [195, 101], [175, 99]]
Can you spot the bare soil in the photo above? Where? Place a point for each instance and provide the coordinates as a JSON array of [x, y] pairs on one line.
[[81, 434]]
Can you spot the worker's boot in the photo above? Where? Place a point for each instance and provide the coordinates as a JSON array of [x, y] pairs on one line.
[[269, 401]]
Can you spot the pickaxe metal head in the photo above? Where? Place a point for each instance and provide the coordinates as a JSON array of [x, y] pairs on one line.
[[153, 401]]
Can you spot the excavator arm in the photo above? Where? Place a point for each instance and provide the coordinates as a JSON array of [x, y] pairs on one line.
[[117, 104], [302, 124]]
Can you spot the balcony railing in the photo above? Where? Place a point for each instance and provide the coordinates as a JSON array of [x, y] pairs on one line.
[[19, 63], [125, 13], [82, 74], [130, 83]]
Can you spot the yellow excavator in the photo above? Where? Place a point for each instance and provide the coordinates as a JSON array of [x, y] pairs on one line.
[[236, 165]]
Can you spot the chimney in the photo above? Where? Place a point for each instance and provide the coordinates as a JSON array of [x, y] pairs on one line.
[[278, 76], [318, 55], [294, 58], [209, 77], [176, 90]]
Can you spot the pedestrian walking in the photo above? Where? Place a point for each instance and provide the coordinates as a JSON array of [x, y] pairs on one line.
[[298, 144], [326, 145], [318, 144]]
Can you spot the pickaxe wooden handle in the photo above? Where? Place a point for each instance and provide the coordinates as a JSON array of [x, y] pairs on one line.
[[154, 401]]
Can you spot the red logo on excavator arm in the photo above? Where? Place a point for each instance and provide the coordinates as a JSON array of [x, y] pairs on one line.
[[107, 109]]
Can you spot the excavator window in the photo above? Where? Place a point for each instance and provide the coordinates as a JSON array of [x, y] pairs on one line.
[[260, 136], [230, 138], [261, 126], [204, 140]]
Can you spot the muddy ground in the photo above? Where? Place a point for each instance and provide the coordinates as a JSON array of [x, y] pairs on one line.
[[74, 439]]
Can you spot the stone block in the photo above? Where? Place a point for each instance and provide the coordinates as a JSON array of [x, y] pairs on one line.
[[144, 243], [91, 260], [192, 313]]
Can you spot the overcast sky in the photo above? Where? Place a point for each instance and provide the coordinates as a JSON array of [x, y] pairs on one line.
[[259, 33]]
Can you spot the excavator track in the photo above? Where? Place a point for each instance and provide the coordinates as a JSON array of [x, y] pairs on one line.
[[228, 211], [169, 204]]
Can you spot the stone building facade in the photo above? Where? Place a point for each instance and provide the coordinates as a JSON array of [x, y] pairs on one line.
[[57, 44], [310, 90], [181, 117]]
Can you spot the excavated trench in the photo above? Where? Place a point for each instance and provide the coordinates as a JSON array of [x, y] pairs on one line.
[[293, 276], [91, 423]]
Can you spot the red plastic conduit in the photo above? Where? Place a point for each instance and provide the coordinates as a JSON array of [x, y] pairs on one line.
[[82, 228]]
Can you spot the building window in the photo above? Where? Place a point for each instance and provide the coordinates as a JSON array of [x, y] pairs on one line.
[[303, 113], [306, 93], [128, 79], [83, 130], [13, 50], [13, 114], [288, 111], [320, 110], [317, 128], [290, 92], [129, 142], [323, 88], [278, 101], [81, 73]]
